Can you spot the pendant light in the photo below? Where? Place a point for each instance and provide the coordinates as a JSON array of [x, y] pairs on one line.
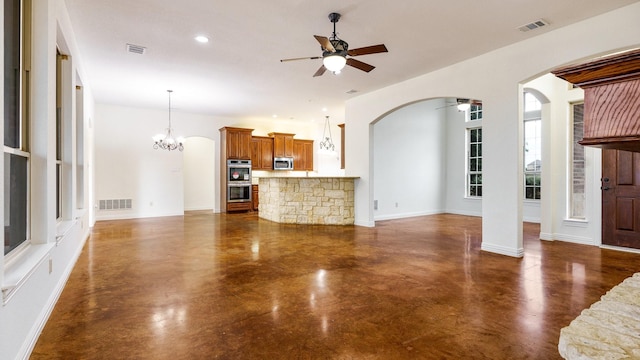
[[166, 141], [326, 145]]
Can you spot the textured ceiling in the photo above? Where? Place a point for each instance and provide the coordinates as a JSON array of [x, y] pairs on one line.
[[238, 73]]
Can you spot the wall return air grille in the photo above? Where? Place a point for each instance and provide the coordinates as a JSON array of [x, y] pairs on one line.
[[136, 49], [114, 204]]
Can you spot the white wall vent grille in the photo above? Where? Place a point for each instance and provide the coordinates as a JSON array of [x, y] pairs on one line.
[[533, 25], [114, 204], [136, 49]]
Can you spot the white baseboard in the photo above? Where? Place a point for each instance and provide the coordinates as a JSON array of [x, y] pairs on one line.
[[464, 212], [103, 217], [364, 223], [502, 250], [546, 236], [618, 248], [43, 317], [574, 239], [407, 215]]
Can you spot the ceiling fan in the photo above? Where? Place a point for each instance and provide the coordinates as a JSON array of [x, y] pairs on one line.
[[463, 104], [335, 52]]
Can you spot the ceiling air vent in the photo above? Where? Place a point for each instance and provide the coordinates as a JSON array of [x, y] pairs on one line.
[[352, 91], [136, 49], [533, 25]]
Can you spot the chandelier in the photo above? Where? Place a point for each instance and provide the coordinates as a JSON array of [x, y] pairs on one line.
[[327, 143], [166, 141]]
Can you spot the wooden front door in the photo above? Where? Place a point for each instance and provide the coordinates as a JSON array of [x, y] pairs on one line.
[[621, 198]]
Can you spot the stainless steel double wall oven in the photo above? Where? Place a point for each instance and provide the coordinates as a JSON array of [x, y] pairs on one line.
[[238, 181]]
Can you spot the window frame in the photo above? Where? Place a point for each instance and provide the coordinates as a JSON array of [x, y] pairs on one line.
[[473, 121], [22, 122], [572, 163], [59, 135], [532, 116]]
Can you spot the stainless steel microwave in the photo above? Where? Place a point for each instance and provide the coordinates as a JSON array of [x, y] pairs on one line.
[[282, 163]]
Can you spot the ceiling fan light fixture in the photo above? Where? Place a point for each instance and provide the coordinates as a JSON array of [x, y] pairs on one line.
[[334, 63], [464, 106]]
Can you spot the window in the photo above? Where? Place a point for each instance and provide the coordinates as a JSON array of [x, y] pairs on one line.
[[577, 193], [475, 112], [532, 147], [16, 155], [474, 150], [79, 145], [474, 177], [59, 138]]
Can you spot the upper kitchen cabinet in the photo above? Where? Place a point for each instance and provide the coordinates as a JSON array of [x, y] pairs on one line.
[[236, 142], [303, 155], [261, 153], [282, 144]]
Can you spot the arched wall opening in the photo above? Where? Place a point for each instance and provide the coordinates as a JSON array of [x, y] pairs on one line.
[[497, 78], [535, 118], [420, 164], [570, 204]]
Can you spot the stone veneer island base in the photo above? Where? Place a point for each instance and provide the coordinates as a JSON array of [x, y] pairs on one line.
[[609, 329], [307, 200]]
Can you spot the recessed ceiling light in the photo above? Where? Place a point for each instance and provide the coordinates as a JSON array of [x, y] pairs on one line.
[[324, 109], [202, 39], [274, 116]]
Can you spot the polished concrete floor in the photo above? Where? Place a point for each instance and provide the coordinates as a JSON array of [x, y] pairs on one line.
[[218, 286]]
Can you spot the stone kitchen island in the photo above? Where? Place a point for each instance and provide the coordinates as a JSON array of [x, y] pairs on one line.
[[307, 200]]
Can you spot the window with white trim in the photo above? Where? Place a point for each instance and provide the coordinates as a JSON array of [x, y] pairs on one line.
[[59, 131], [474, 162], [578, 178], [16, 129], [474, 150], [79, 145], [532, 146]]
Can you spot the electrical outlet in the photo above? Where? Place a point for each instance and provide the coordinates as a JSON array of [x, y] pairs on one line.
[[50, 265], [375, 204], [396, 204]]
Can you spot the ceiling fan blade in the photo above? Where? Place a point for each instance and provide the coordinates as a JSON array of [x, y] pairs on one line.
[[374, 49], [302, 58], [360, 65], [320, 71], [325, 43]]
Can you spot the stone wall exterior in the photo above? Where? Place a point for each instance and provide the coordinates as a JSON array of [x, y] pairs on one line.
[[306, 200]]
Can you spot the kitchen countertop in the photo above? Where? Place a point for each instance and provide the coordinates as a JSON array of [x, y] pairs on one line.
[[310, 177]]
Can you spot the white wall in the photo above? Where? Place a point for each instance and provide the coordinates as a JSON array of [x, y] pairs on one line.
[[496, 78], [456, 200], [127, 166], [408, 161], [33, 279], [199, 174]]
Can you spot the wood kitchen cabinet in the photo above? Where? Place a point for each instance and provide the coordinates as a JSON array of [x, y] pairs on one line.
[[236, 142], [255, 201], [282, 144], [303, 155], [341, 126], [261, 153]]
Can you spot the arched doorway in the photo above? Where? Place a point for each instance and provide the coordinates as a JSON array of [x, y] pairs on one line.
[[427, 159]]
